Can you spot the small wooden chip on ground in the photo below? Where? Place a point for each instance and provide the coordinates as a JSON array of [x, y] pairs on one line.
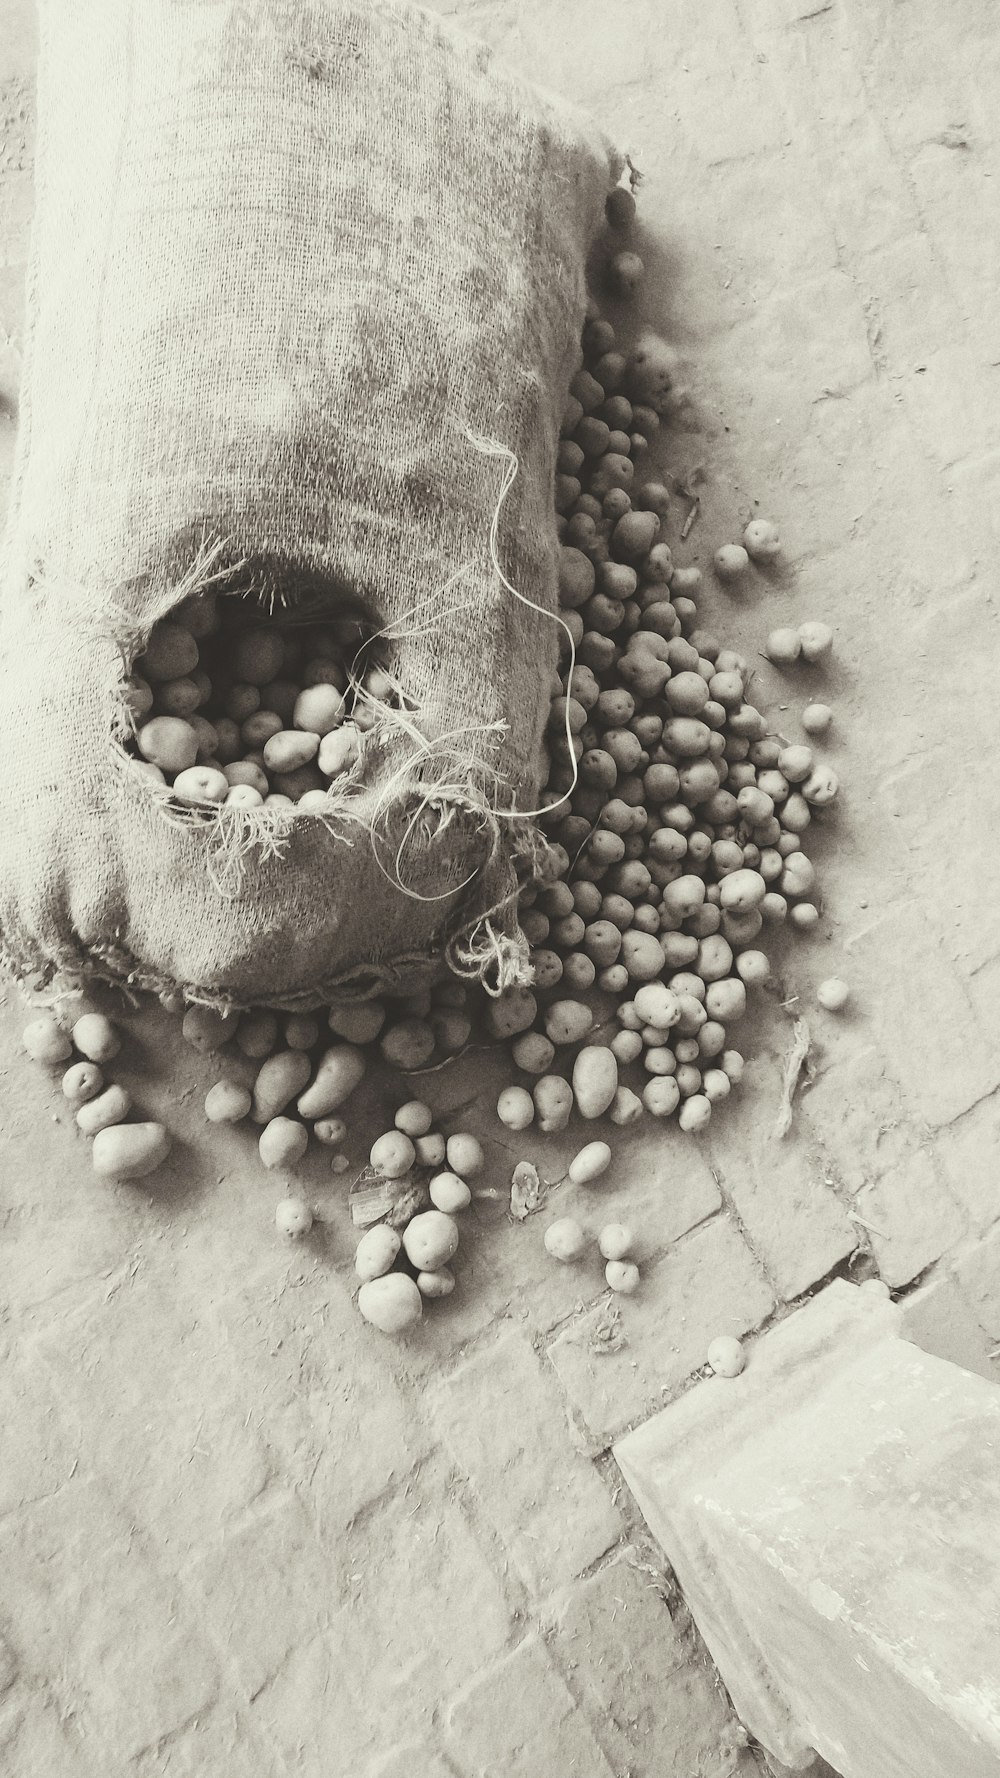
[[375, 1199], [793, 1068], [527, 1192]]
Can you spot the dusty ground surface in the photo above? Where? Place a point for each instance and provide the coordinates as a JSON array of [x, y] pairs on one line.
[[239, 1533]]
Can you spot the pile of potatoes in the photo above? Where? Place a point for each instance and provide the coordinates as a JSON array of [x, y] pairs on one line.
[[676, 821], [121, 1150], [404, 1261], [242, 714], [675, 825]]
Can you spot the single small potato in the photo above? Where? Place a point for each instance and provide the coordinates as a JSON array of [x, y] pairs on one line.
[[279, 1079], [595, 1080], [430, 1240], [82, 1082], [651, 373], [391, 1303], [376, 1251], [110, 1107], [430, 1149], [816, 640], [435, 1285], [632, 539], [619, 207], [516, 1108], [590, 1163], [761, 540], [726, 1356], [168, 742], [642, 956], [565, 1240], [392, 1155], [615, 1240], [510, 1013], [293, 1217], [715, 1084], [201, 784], [796, 763], [657, 1005], [45, 1041], [199, 614], [695, 1112], [798, 875], [339, 750], [821, 786], [227, 1102], [245, 771], [290, 749], [301, 1031], [741, 891], [330, 1130], [205, 1029], [259, 728], [145, 769], [129, 1151], [833, 994], [726, 1000], [625, 274], [626, 1047], [178, 697], [553, 1098], [465, 1154], [452, 1030], [318, 709], [258, 656], [358, 1022], [753, 968], [242, 796], [661, 1095], [568, 1021], [341, 1069], [138, 697], [816, 718], [715, 958], [282, 1143], [627, 1109], [783, 647], [414, 1118], [171, 653], [796, 816], [733, 1065], [730, 562], [622, 1276], [448, 1192], [804, 915], [408, 1044]]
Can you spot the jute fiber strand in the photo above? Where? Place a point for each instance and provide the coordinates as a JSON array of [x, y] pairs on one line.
[[305, 281]]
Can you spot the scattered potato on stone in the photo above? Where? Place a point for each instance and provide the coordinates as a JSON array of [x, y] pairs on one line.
[[129, 1151], [227, 1102], [46, 1041], [392, 1303], [293, 1217]]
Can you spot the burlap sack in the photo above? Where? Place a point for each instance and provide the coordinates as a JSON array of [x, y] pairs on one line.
[[292, 265]]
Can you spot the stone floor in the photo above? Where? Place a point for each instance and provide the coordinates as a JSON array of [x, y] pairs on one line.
[[240, 1533]]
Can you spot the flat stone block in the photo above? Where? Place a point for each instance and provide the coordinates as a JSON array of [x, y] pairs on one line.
[[832, 1515]]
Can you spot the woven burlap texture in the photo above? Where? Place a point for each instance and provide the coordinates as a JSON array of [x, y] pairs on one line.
[[289, 263]]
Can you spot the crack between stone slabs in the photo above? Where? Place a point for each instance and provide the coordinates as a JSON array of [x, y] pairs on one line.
[[950, 1122]]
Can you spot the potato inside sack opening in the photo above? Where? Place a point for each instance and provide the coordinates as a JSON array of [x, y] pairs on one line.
[[257, 690]]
